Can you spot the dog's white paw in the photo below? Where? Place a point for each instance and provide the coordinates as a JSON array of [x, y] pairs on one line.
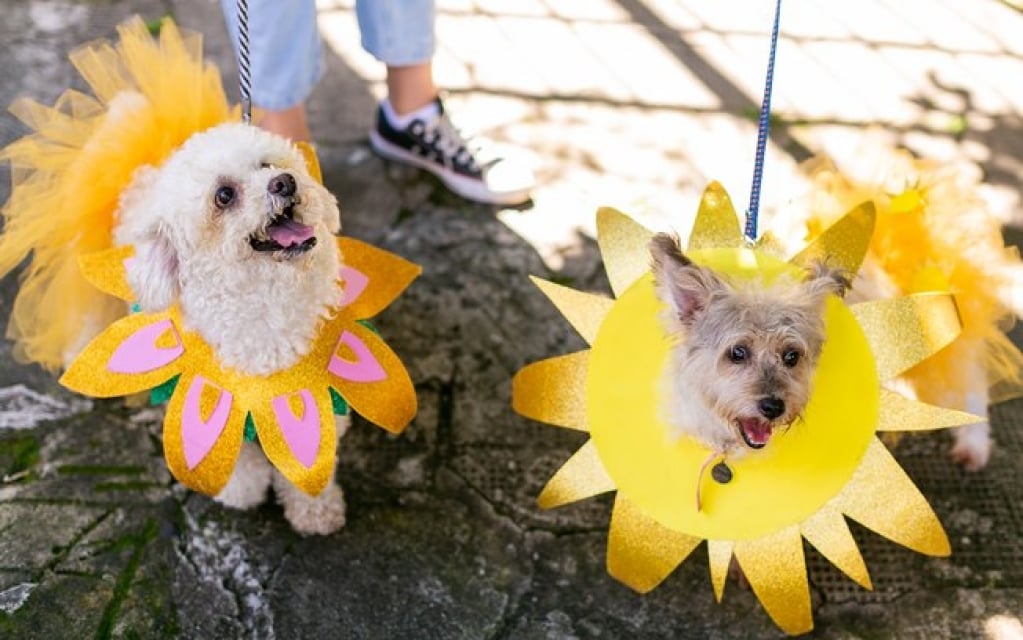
[[249, 481], [972, 448], [321, 515]]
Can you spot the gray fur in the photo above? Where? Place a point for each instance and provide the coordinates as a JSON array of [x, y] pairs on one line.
[[708, 395]]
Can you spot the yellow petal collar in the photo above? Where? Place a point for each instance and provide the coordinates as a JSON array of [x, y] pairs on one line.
[[291, 409]]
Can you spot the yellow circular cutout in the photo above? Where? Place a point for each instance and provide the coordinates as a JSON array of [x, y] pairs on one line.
[[799, 470]]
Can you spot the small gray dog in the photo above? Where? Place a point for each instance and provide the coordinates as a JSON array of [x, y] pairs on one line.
[[746, 351]]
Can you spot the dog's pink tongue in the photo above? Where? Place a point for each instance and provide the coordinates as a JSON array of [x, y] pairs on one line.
[[757, 431], [288, 232]]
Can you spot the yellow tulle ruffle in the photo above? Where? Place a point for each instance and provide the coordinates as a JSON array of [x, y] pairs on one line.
[[148, 96], [934, 232]]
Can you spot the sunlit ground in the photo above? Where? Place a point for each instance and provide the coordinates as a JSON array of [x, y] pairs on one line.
[[638, 103], [1003, 627]]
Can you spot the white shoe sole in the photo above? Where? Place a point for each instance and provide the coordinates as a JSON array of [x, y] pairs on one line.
[[466, 187]]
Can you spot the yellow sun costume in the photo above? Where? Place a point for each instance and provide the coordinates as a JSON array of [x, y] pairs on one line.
[[933, 233], [150, 96], [828, 466]]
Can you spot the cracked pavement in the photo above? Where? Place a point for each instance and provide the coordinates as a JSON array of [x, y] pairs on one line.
[[444, 539]]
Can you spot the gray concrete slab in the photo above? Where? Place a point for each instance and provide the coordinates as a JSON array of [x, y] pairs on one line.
[[632, 103]]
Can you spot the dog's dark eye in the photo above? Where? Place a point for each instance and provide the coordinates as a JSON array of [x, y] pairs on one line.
[[224, 196], [738, 354], [790, 358]]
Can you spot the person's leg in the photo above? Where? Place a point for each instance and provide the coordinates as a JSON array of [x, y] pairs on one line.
[[412, 126], [400, 34], [285, 61], [410, 88], [290, 123]]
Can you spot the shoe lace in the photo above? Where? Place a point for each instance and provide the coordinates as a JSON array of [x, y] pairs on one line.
[[451, 142]]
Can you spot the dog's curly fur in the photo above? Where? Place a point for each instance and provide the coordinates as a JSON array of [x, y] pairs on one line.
[[201, 225]]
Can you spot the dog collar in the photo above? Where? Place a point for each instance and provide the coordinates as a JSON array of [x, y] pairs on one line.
[[291, 410]]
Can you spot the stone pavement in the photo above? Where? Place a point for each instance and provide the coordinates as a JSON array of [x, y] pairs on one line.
[[630, 103]]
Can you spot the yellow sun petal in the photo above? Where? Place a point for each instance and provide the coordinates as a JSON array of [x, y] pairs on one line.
[[716, 223], [776, 570], [905, 331], [105, 271], [381, 276], [623, 245], [299, 436], [829, 533], [882, 497], [843, 244], [770, 243], [899, 413], [553, 390], [640, 551], [584, 311], [134, 354], [582, 476], [222, 434], [389, 401]]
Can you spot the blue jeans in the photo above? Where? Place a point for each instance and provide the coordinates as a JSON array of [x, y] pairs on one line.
[[285, 53]]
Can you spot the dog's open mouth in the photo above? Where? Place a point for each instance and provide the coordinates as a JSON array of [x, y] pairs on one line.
[[285, 235], [755, 432]]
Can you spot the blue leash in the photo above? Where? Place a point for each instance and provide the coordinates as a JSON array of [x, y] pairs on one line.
[[764, 128]]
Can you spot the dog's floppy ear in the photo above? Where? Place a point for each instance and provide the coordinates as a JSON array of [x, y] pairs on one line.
[[153, 272], [822, 279], [682, 285]]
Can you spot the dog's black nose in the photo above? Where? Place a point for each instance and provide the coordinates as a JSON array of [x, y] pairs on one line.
[[282, 185], [771, 407]]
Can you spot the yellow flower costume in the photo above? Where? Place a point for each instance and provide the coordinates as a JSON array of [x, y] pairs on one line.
[[150, 97], [291, 409], [828, 466], [933, 233]]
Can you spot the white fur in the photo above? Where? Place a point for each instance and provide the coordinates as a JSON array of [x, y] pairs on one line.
[[313, 515], [253, 475], [250, 479], [260, 315], [259, 311]]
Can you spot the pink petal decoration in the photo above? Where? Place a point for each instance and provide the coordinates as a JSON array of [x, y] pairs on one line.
[[139, 353], [198, 436], [354, 282], [365, 368], [301, 432]]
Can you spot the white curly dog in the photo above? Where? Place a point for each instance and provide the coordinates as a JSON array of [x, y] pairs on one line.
[[234, 229]]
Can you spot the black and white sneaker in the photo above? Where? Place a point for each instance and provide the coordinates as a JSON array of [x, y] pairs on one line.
[[464, 167]]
